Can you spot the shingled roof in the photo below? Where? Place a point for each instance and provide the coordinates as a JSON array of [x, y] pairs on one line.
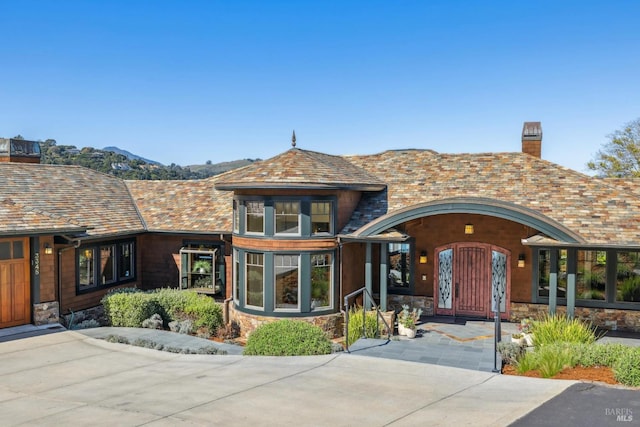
[[38, 198], [183, 206], [600, 211], [298, 168]]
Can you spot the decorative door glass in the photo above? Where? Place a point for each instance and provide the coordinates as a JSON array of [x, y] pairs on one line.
[[445, 278], [498, 281]]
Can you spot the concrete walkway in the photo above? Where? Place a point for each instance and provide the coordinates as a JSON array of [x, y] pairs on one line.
[[69, 378]]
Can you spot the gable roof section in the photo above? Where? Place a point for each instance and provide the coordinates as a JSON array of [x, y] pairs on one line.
[[16, 219], [599, 212], [183, 206], [74, 197], [296, 168]]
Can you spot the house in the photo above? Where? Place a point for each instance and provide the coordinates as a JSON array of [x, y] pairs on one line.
[[457, 235]]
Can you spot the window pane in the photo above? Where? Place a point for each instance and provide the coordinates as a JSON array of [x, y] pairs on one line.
[[320, 281], [18, 250], [286, 283], [5, 250], [562, 273], [287, 217], [254, 278], [544, 272], [107, 266], [255, 217], [399, 266], [236, 216], [628, 277], [236, 276], [86, 268], [591, 277], [321, 217], [125, 265]]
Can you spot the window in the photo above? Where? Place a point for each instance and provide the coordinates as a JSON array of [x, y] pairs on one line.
[[236, 276], [399, 266], [125, 263], [628, 276], [236, 217], [320, 217], [287, 217], [11, 250], [287, 289], [105, 265], [254, 217], [254, 278], [86, 268], [321, 283], [546, 260], [591, 278]]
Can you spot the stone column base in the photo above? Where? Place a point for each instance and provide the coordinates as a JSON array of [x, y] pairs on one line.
[[46, 313]]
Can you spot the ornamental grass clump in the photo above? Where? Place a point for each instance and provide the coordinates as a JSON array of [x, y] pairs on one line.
[[556, 328], [357, 318], [287, 338]]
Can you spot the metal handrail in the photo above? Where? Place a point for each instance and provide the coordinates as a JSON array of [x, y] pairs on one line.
[[364, 323]]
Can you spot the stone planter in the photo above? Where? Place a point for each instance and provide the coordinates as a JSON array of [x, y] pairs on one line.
[[519, 341], [410, 333]]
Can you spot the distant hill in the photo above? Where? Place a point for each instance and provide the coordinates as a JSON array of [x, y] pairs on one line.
[[126, 165], [130, 155]]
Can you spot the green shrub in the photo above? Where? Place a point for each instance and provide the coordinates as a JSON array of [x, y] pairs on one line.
[[129, 309], [627, 368], [556, 328], [599, 354], [205, 312], [287, 338], [510, 352], [528, 362], [356, 320]]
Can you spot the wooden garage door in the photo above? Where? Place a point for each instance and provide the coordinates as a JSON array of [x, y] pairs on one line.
[[15, 298]]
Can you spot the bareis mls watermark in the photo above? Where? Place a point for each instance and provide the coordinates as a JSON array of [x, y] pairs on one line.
[[621, 414]]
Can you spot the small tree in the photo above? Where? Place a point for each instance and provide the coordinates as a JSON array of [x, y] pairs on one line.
[[620, 157]]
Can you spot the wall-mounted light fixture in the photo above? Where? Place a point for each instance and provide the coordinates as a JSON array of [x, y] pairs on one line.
[[423, 257], [88, 253], [468, 229], [521, 260], [48, 249]]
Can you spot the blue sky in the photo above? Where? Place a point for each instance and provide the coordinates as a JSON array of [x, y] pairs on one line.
[[188, 81]]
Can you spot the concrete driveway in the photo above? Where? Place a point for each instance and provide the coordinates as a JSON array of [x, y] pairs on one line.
[[69, 379]]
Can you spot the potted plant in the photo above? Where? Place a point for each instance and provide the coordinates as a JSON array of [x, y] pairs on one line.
[[407, 320], [518, 338], [525, 331], [202, 266]]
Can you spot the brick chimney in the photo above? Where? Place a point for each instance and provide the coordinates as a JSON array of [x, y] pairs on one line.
[[532, 139]]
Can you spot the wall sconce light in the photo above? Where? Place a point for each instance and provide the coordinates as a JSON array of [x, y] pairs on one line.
[[423, 257], [48, 249], [468, 229], [88, 253], [521, 260]]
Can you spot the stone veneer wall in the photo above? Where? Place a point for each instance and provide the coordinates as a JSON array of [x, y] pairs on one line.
[[606, 318], [46, 313], [331, 324], [395, 302]]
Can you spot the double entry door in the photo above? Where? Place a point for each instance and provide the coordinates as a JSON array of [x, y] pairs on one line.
[[471, 279]]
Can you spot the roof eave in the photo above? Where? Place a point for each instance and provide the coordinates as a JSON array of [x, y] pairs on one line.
[[299, 186]]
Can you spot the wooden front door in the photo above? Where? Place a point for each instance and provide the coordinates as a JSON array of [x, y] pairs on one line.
[[472, 281], [15, 295], [468, 276]]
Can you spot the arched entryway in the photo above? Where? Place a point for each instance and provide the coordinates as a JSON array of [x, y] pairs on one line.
[[469, 278]]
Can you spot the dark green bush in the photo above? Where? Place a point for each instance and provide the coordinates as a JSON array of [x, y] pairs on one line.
[[627, 368], [287, 338], [129, 309]]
